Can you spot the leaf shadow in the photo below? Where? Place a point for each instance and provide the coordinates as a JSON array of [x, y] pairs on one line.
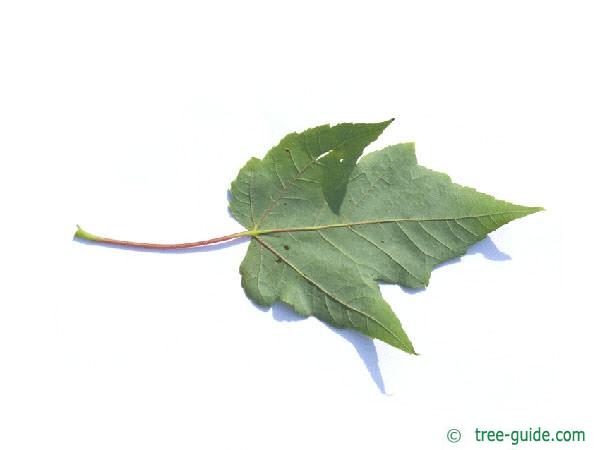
[[364, 346], [486, 248], [229, 200]]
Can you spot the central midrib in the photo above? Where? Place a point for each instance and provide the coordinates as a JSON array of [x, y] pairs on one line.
[[375, 222]]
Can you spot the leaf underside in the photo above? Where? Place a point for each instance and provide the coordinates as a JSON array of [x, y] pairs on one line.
[[327, 229]]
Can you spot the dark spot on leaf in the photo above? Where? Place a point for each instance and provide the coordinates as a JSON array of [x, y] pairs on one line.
[[278, 260], [284, 203], [383, 242], [287, 247]]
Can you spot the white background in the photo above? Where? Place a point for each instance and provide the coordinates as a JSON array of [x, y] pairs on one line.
[[132, 118]]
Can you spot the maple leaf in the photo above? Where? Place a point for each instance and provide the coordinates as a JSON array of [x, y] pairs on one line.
[[325, 229]]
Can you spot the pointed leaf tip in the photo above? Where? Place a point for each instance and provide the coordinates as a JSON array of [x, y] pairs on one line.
[[534, 209]]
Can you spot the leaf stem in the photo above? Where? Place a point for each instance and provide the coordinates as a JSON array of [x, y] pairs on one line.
[[84, 235]]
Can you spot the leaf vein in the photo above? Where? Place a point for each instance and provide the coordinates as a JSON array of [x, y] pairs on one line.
[[448, 222], [333, 297], [465, 228], [436, 238], [389, 256], [414, 243]]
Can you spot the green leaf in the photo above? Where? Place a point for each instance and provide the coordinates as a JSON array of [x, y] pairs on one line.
[[325, 229]]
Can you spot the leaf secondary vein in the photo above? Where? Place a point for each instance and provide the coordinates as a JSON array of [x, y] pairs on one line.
[[325, 291]]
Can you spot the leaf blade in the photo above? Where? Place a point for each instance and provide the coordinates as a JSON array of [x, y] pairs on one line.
[[395, 222]]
